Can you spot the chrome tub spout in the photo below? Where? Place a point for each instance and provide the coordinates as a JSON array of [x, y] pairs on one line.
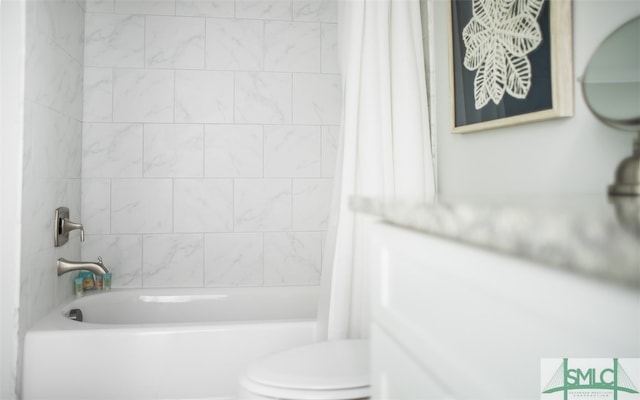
[[65, 266]]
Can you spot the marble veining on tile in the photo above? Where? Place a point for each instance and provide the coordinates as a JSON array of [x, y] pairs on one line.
[[173, 150], [145, 7], [292, 258], [99, 6], [262, 205], [141, 95], [204, 96], [203, 205], [316, 99], [264, 9], [233, 259], [292, 151], [96, 206], [43, 292], [173, 261], [235, 44], [58, 20], [47, 161], [112, 150], [114, 40], [329, 45], [311, 204], [263, 97], [292, 46], [315, 10], [205, 8], [41, 195], [233, 151], [59, 85], [141, 205], [172, 42], [329, 150], [98, 95]]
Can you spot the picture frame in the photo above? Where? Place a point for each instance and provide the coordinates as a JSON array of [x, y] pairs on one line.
[[521, 76]]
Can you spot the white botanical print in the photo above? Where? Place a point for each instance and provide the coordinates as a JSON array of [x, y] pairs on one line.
[[498, 39]]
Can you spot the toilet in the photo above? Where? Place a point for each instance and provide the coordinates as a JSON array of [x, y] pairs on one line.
[[331, 370]]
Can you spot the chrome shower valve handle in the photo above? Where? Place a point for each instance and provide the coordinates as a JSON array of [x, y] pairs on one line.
[[63, 225], [68, 226]]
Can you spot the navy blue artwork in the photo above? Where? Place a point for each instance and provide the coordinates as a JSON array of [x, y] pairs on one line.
[[539, 96]]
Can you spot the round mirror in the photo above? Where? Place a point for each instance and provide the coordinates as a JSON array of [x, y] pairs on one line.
[[611, 82]]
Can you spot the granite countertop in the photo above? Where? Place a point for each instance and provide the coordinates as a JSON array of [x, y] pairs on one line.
[[588, 234]]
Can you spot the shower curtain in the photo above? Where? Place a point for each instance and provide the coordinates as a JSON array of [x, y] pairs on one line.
[[384, 149]]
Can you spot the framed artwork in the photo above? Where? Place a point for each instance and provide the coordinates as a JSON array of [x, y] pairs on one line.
[[511, 62]]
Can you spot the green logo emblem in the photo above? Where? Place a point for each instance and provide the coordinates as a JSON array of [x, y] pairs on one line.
[[598, 378]]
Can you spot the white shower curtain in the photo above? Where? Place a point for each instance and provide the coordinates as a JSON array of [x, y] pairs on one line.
[[384, 149]]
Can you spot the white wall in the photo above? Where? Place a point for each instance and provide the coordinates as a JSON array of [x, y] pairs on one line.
[[571, 155], [209, 140], [11, 123]]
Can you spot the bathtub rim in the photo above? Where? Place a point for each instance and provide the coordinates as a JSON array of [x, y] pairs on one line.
[[56, 320]]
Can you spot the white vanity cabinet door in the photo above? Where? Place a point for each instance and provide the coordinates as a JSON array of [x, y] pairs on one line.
[[398, 375], [478, 323]]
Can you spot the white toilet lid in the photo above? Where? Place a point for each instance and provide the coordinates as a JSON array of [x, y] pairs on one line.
[[332, 365], [264, 391]]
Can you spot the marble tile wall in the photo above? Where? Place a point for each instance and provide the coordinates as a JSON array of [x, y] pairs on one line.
[[52, 155], [52, 149], [209, 140]]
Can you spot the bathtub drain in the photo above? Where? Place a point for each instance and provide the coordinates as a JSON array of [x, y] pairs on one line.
[[75, 314]]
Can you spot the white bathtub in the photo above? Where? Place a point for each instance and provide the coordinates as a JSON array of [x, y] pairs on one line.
[[163, 343]]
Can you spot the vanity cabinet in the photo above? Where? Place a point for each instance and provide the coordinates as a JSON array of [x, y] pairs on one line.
[[455, 321]]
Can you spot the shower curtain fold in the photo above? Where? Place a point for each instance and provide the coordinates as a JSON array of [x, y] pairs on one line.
[[384, 149]]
